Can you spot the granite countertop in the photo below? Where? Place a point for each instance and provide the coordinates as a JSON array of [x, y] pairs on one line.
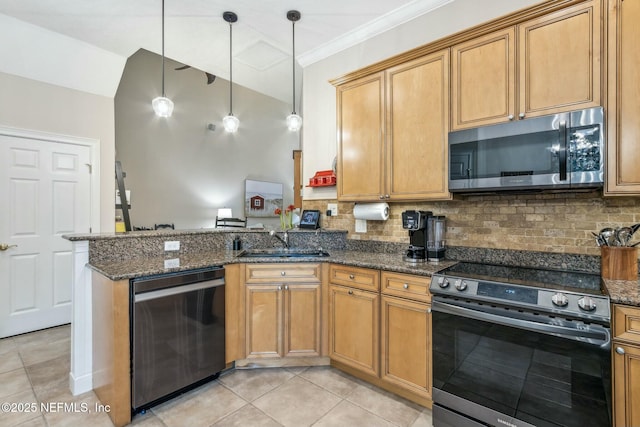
[[139, 267], [625, 292]]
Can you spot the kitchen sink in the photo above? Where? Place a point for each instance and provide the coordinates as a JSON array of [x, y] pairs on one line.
[[283, 253]]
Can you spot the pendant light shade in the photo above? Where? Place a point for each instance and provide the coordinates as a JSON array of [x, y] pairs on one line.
[[230, 122], [294, 121], [162, 105]]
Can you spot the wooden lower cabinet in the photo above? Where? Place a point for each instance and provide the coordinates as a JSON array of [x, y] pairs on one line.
[[354, 328], [626, 383], [625, 353], [406, 345], [282, 310], [283, 320]]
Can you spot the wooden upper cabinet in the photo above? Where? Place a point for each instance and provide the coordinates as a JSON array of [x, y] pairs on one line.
[[417, 104], [559, 61], [483, 80], [361, 138], [554, 66], [623, 108], [392, 133]]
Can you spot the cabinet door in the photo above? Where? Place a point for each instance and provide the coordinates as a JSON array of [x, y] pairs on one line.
[[623, 108], [264, 321], [406, 345], [483, 80], [354, 329], [559, 61], [417, 109], [302, 320], [626, 385], [361, 139]]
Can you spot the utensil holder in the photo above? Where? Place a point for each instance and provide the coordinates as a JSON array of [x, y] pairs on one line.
[[619, 263]]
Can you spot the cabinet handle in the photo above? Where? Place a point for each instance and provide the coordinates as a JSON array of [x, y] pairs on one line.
[[351, 276], [510, 117], [286, 287], [350, 292], [386, 196], [406, 286], [521, 115], [619, 350], [429, 310], [283, 273], [382, 197], [279, 287]]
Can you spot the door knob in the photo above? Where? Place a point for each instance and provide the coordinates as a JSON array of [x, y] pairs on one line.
[[4, 246]]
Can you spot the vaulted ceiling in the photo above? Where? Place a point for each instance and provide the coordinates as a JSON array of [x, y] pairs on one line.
[[197, 35]]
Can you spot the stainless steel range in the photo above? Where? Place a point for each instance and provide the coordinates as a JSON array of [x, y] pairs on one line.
[[520, 347]]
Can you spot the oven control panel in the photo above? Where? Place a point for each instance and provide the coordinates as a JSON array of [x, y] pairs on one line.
[[572, 304]]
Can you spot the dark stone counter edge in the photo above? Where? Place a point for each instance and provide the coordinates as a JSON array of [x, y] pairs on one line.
[[626, 292], [166, 232]]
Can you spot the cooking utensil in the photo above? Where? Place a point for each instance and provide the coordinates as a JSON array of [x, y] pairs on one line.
[[599, 239], [607, 236], [623, 235]]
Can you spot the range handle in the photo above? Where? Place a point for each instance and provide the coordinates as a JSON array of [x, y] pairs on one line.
[[592, 334]]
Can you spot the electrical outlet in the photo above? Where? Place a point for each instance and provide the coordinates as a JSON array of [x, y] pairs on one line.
[[361, 225], [333, 207], [172, 263], [172, 246]]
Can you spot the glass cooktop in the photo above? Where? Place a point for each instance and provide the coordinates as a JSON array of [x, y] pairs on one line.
[[584, 283]]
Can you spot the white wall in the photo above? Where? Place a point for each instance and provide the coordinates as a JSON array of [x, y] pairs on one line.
[[29, 104], [318, 96]]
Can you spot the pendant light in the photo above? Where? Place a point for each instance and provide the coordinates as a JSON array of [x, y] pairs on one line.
[[294, 121], [230, 122], [162, 105]]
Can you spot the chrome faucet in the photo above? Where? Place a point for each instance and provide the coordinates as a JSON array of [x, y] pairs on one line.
[[284, 239]]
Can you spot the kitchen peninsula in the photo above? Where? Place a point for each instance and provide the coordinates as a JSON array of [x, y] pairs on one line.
[[367, 270]]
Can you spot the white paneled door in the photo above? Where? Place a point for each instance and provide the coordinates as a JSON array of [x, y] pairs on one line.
[[45, 189]]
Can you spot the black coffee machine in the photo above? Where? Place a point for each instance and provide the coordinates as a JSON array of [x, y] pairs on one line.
[[426, 236]]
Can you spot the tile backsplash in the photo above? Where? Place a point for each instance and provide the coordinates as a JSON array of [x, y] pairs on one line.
[[547, 222]]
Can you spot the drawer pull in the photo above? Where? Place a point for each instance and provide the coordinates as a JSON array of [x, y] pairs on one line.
[[286, 287], [351, 276], [350, 292], [283, 273], [406, 286], [619, 350], [279, 287]]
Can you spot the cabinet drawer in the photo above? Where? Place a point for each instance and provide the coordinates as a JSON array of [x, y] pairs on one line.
[[406, 286], [626, 323], [362, 278], [270, 273]]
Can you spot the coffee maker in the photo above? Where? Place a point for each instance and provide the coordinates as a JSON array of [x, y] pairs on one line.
[[416, 223], [426, 236]]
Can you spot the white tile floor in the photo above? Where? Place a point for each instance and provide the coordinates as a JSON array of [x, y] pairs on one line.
[[34, 370]]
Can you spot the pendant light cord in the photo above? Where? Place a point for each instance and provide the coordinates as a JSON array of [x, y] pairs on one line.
[[163, 95], [230, 70], [293, 64]]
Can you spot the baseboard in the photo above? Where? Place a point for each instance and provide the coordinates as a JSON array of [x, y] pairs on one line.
[[81, 384]]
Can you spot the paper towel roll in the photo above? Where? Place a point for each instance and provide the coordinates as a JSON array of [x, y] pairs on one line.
[[374, 211]]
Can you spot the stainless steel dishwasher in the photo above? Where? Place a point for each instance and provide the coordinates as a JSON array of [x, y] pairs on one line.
[[177, 333]]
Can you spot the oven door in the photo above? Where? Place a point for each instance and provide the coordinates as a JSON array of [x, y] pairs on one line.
[[496, 366]]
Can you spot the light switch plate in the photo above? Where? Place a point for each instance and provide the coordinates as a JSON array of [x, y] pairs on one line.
[[172, 245], [361, 225], [333, 207]]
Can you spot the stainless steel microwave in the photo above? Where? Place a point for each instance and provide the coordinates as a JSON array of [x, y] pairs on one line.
[[558, 152]]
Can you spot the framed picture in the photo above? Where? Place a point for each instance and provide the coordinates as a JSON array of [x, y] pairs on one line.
[[261, 198], [310, 219]]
